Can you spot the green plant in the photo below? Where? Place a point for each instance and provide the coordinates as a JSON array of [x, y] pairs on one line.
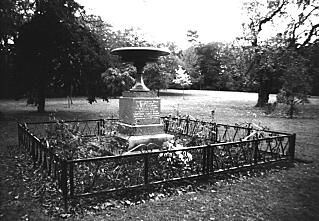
[[68, 142]]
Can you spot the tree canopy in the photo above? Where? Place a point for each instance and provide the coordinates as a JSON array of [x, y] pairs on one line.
[[54, 47]]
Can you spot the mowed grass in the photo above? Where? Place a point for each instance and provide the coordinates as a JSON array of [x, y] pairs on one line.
[[276, 194]]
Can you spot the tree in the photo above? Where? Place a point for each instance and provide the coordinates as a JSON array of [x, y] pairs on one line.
[[13, 13], [235, 60], [182, 78], [56, 48], [115, 80], [296, 80], [191, 59], [210, 65], [294, 92], [260, 15], [158, 75], [313, 52], [299, 31]]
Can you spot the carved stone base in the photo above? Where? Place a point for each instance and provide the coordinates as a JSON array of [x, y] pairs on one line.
[[139, 116]]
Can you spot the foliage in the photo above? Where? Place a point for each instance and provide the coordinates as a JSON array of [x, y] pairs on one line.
[[260, 14], [296, 80], [67, 141], [56, 49], [182, 78], [63, 139], [191, 59], [298, 28], [156, 77], [301, 23], [13, 13], [116, 80], [160, 75], [175, 160], [210, 63], [313, 56], [235, 60]]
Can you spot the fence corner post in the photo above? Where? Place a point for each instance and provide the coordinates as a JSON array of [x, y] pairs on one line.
[[292, 144]]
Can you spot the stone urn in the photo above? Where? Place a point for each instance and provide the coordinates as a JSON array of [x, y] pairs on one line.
[[140, 108]]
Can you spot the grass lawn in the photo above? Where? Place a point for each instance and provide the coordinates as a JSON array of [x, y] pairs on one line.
[[277, 194]]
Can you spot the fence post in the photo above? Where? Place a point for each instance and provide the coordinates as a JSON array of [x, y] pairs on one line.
[[64, 183], [146, 169], [166, 124], [255, 149], [45, 158], [33, 151], [187, 124], [292, 144], [204, 163], [101, 127], [216, 133], [40, 155], [71, 173], [210, 167], [212, 115]]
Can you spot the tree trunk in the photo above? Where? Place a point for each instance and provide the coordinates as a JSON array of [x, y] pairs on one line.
[[41, 100], [291, 110], [263, 97], [4, 71], [41, 94], [264, 90]]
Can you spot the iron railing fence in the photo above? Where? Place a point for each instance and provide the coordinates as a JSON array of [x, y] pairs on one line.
[[222, 148], [94, 127]]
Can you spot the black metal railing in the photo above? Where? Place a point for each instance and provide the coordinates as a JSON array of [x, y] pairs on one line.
[[221, 148]]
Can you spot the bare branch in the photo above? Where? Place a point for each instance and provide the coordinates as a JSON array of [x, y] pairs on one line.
[[310, 13], [312, 32], [270, 17]]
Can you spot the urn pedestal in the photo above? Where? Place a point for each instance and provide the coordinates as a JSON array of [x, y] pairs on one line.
[[139, 108], [139, 116]]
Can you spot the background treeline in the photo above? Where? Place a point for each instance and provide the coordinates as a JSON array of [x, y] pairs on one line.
[[54, 48]]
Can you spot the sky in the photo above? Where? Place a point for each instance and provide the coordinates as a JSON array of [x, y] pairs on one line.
[[168, 20]]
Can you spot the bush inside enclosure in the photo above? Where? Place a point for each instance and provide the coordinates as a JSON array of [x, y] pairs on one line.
[[68, 142]]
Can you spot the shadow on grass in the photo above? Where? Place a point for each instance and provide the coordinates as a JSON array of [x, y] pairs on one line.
[[171, 94], [34, 116]]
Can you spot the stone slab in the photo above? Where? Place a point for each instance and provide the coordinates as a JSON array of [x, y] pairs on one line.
[[139, 110], [136, 130], [157, 139]]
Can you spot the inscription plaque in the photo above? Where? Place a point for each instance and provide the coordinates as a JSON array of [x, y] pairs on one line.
[[140, 111], [146, 109]]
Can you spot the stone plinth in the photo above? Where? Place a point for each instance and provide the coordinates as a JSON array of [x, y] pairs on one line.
[[139, 115], [139, 110]]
